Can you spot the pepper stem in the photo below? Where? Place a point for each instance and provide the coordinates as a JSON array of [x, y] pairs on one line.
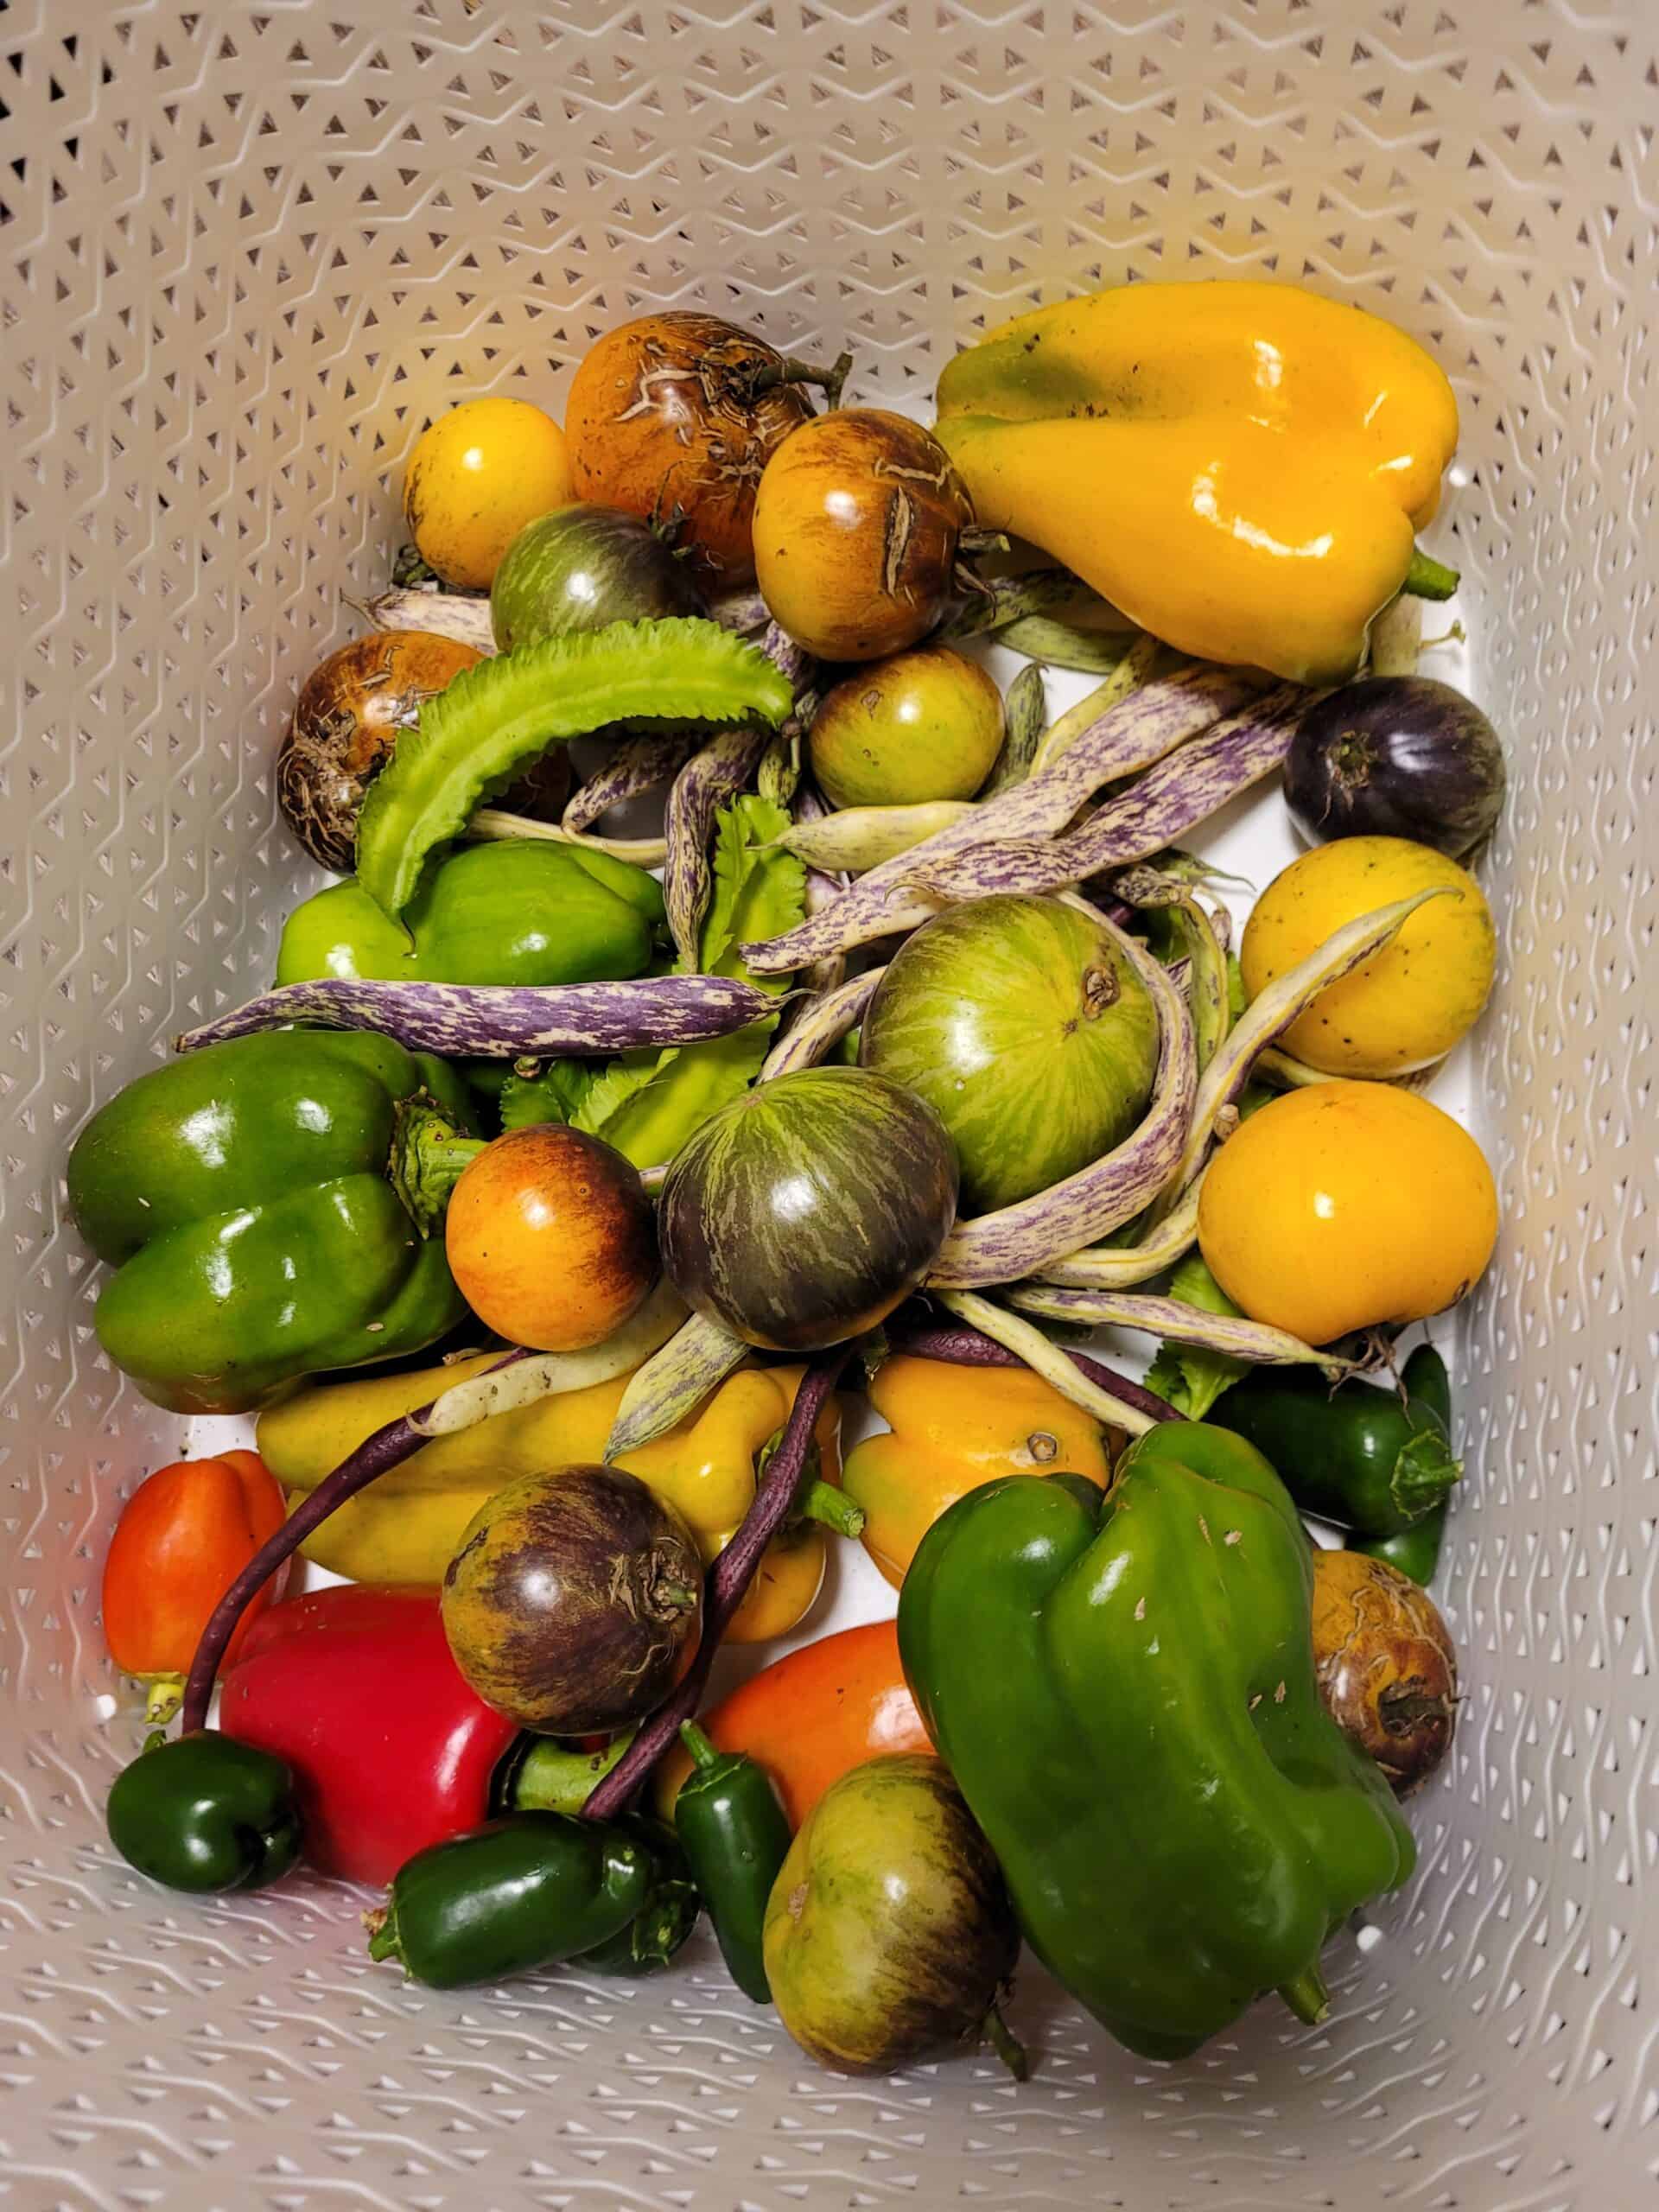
[[1427, 578], [703, 1750], [382, 1926], [822, 1501], [1307, 1995], [996, 2030], [428, 1156], [1425, 1470], [164, 1698]]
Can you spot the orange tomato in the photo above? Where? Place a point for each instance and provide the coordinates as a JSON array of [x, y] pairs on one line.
[[184, 1535], [551, 1237], [812, 1717], [1347, 1205]]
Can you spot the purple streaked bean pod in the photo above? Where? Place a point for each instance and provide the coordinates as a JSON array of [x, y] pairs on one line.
[[823, 885], [696, 1360], [1181, 1324], [499, 1021], [958, 1345], [1284, 1000], [1120, 1267], [445, 613], [1020, 1240], [1127, 737], [1044, 1357], [822, 1023], [639, 764], [1174, 795]]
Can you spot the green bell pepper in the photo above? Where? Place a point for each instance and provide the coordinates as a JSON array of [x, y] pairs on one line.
[[519, 911], [1124, 1691], [245, 1196], [205, 1814]]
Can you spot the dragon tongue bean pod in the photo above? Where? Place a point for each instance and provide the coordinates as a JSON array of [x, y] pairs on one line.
[[503, 1022], [1128, 737]]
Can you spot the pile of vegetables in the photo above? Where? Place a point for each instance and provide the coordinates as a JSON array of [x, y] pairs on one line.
[[577, 1178]]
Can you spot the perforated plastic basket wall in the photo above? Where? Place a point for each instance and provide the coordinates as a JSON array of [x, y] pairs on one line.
[[247, 250]]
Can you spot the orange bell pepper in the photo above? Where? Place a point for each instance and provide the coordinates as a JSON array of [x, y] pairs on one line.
[[811, 1717], [185, 1534]]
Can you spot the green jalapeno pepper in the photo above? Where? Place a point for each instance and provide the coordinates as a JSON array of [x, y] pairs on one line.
[[736, 1836], [1377, 1461], [206, 1813], [519, 1893], [669, 1914]]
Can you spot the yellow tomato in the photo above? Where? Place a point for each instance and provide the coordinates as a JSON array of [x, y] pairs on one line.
[[1345, 1204], [1407, 1005], [476, 477]]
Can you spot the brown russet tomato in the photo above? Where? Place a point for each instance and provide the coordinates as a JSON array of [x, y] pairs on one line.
[[675, 415], [856, 524], [551, 1237]]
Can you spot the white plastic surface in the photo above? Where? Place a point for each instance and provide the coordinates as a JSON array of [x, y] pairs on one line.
[[245, 252]]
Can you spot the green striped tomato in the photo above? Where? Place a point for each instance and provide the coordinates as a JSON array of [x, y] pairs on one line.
[[1022, 1023], [801, 1214]]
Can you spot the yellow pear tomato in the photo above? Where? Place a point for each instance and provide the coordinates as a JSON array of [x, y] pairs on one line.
[[1407, 1004], [1345, 1204], [476, 477]]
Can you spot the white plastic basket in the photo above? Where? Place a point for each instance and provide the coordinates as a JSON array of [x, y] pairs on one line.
[[247, 250]]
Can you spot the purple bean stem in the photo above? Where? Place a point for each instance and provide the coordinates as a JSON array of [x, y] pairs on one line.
[[963, 1347], [728, 1580], [377, 1455], [503, 1020]]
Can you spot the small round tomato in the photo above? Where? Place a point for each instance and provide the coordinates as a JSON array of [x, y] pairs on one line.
[[923, 725], [550, 1238], [476, 477], [855, 529], [1409, 1004], [1345, 1205]]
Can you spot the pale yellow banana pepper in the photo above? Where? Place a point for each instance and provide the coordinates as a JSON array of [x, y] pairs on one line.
[[1241, 468], [405, 1526]]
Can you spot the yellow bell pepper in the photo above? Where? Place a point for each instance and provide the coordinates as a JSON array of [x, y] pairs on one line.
[[952, 1428], [405, 1527], [1240, 467]]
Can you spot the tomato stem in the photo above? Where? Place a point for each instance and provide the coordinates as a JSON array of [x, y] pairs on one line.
[[770, 374]]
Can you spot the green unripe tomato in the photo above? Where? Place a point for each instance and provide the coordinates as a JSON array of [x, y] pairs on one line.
[[924, 725]]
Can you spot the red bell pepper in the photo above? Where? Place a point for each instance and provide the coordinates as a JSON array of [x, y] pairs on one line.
[[354, 1687]]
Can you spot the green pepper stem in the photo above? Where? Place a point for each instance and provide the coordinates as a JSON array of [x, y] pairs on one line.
[[1427, 578], [822, 1501], [703, 1748], [996, 2030], [1425, 1470], [428, 1156], [382, 1925], [1307, 1995]]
